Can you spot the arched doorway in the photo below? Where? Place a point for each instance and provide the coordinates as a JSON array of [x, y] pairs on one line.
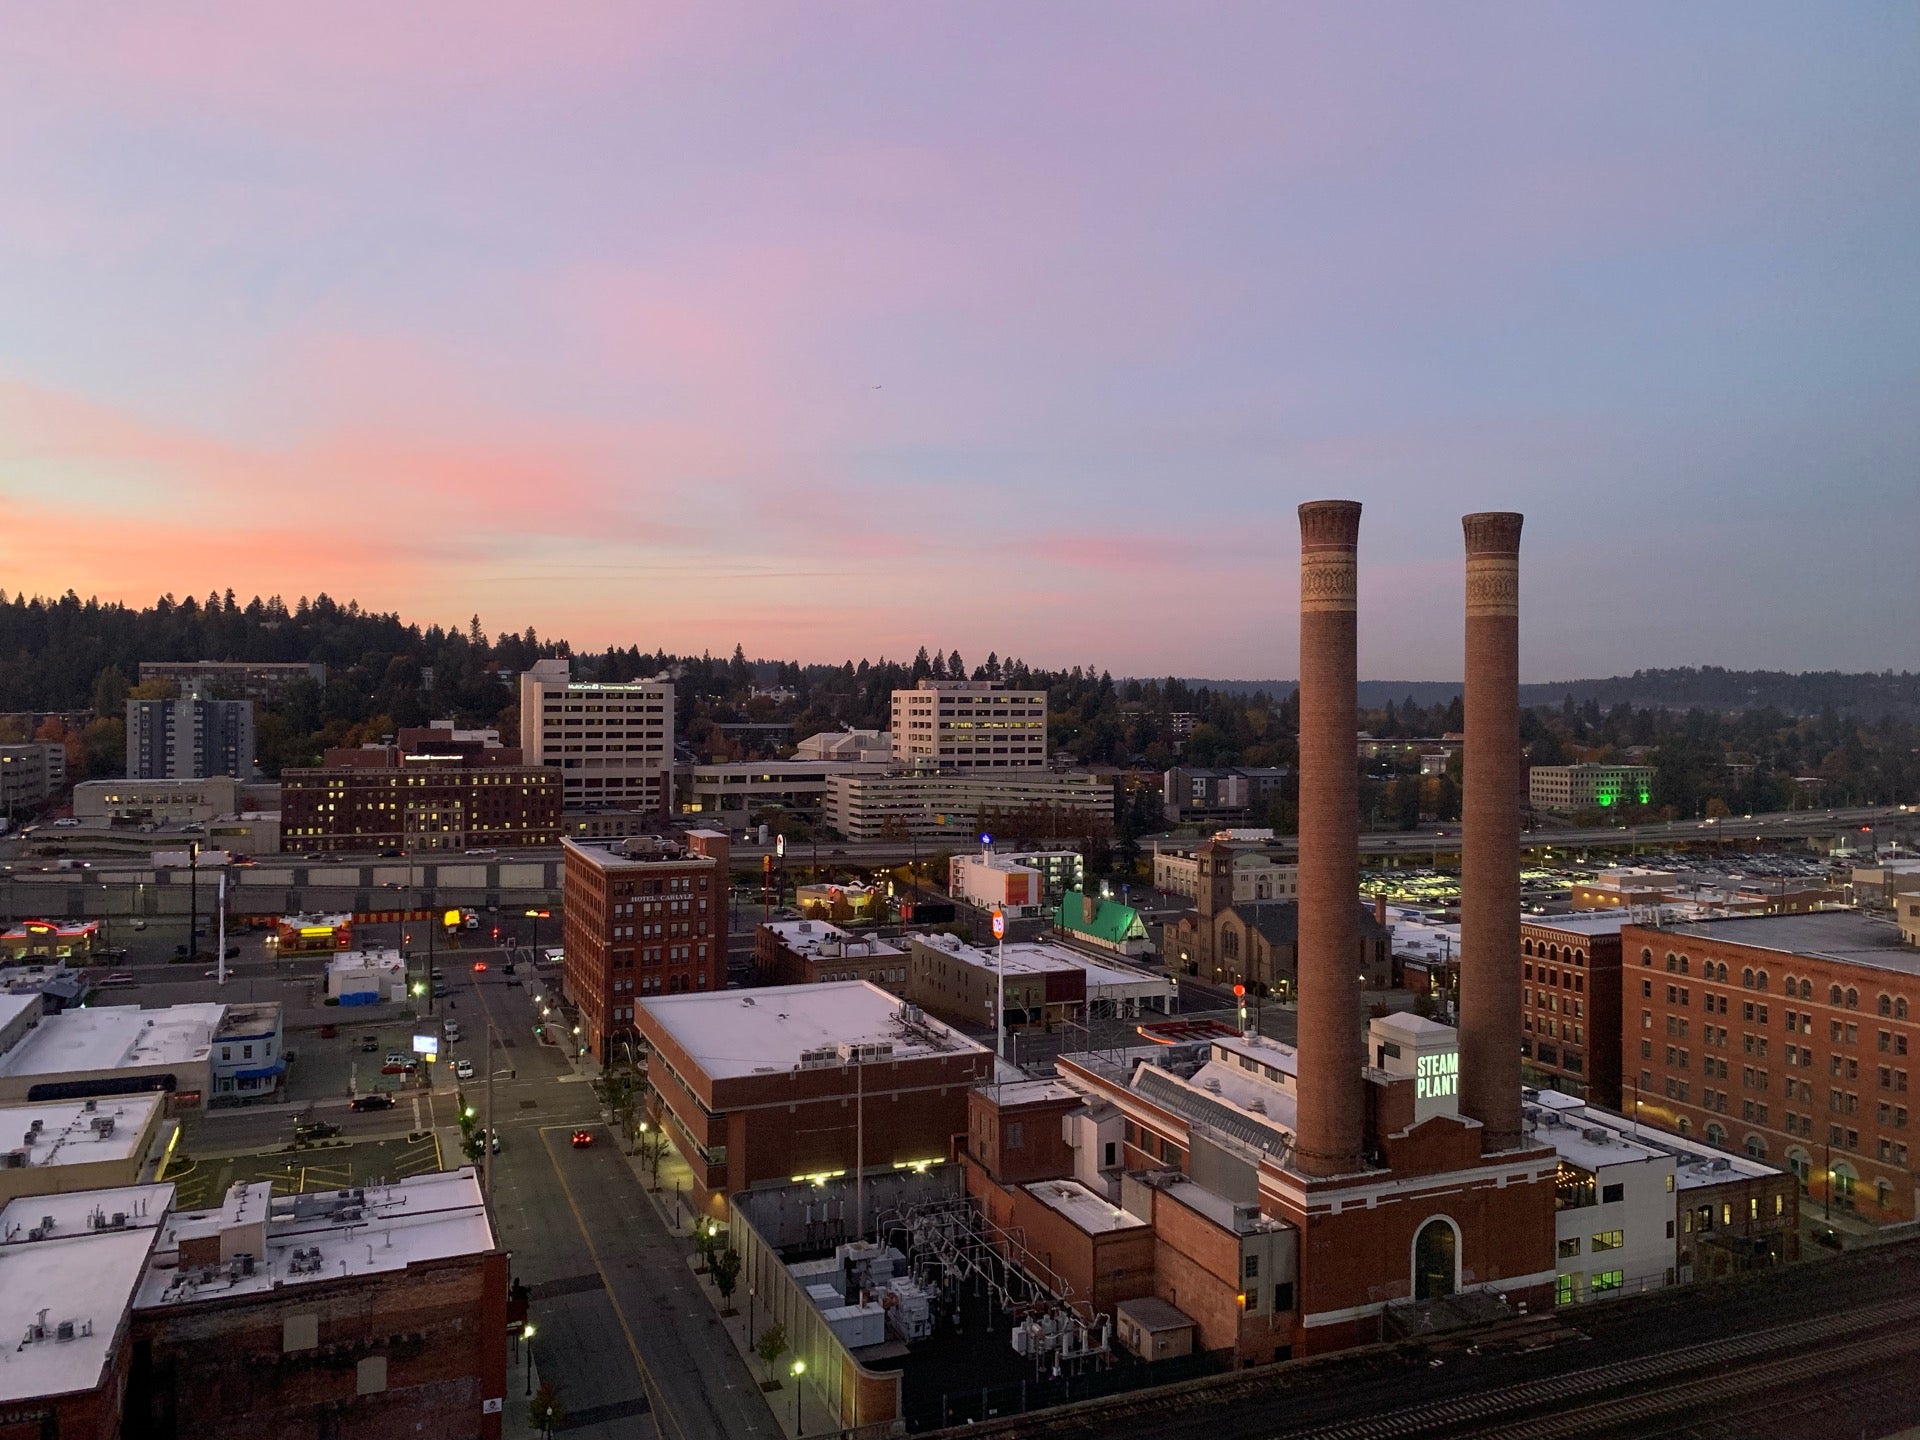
[[1436, 1260]]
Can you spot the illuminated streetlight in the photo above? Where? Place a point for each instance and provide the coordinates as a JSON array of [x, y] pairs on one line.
[[799, 1369], [526, 1333]]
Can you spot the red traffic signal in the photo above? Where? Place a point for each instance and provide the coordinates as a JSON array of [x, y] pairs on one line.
[[1240, 992], [496, 932]]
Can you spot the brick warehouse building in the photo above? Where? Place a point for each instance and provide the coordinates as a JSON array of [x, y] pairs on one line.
[[769, 1084], [644, 916], [1570, 1004], [1789, 1037], [433, 789]]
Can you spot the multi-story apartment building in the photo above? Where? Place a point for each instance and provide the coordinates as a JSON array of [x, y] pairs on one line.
[[429, 791], [903, 805], [644, 916], [1788, 1037], [811, 952], [969, 725], [1570, 1004], [263, 680], [189, 739], [30, 773], [1588, 786], [612, 744]]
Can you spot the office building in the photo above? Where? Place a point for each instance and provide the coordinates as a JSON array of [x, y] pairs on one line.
[[189, 739], [644, 916], [871, 747], [67, 1284], [1789, 1038], [969, 725], [249, 1053], [377, 1311], [1189, 792], [1045, 984], [105, 1051], [182, 801], [30, 774], [432, 789], [59, 1146], [264, 681], [1570, 1004], [799, 1080], [611, 744], [1014, 805], [1255, 874], [1588, 786], [736, 792], [813, 952]]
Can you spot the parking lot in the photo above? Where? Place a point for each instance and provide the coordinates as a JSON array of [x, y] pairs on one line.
[[325, 1166]]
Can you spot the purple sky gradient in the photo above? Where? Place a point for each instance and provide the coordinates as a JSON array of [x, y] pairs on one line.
[[836, 330]]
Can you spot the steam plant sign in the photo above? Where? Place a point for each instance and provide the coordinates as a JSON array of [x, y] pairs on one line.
[[999, 925], [1438, 1077]]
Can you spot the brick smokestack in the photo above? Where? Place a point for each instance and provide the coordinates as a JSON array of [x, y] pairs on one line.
[[1490, 841], [1331, 1051]]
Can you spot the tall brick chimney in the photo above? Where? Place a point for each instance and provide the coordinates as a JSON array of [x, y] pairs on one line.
[[1331, 1109], [1490, 841]]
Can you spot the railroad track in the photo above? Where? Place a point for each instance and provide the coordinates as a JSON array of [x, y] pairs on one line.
[[1752, 1355]]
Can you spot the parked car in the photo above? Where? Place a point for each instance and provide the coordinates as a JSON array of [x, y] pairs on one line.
[[369, 1046], [583, 1139], [463, 1069], [315, 1129], [453, 1032], [379, 1100]]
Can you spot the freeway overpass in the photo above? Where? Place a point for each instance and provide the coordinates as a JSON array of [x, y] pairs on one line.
[[123, 886]]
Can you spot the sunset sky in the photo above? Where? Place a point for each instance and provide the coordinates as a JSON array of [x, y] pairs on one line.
[[837, 329]]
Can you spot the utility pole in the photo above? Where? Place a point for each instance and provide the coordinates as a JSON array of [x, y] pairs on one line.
[[433, 922], [193, 900], [220, 934], [486, 1148], [859, 1150], [1000, 985]]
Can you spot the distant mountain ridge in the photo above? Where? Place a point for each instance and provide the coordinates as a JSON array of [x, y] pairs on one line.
[[1867, 696]]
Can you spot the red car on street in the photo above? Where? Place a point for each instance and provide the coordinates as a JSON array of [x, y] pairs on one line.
[[583, 1139]]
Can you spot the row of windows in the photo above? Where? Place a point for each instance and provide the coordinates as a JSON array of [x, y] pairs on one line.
[[1892, 1006]]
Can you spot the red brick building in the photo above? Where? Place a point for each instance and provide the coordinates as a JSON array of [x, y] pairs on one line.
[[430, 790], [768, 1084], [644, 916], [1570, 1005], [807, 952], [1789, 1037]]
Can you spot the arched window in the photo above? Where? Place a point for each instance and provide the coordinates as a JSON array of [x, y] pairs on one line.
[[1230, 944], [1853, 998], [1716, 1133], [1686, 1126], [1885, 1004], [1646, 956], [1798, 1163], [1746, 978], [1899, 1007], [1756, 1147], [1553, 954], [1579, 957], [1673, 961], [1833, 994], [1526, 947], [1806, 989]]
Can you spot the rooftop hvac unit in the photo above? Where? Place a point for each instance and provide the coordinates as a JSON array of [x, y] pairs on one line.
[[1595, 1134], [1721, 1163], [13, 1160]]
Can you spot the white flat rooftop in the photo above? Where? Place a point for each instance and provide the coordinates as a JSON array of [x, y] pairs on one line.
[[81, 1274], [1038, 957], [730, 1033], [71, 1133], [114, 1037], [12, 1003], [326, 1236], [1583, 922], [376, 959], [805, 937], [1085, 1209]]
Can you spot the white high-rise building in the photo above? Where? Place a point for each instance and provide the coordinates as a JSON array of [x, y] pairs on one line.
[[969, 725], [612, 744]]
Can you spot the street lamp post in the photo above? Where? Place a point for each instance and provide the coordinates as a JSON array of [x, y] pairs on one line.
[[526, 1332], [799, 1426]]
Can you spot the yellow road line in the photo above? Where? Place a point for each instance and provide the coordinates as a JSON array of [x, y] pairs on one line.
[[655, 1399]]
